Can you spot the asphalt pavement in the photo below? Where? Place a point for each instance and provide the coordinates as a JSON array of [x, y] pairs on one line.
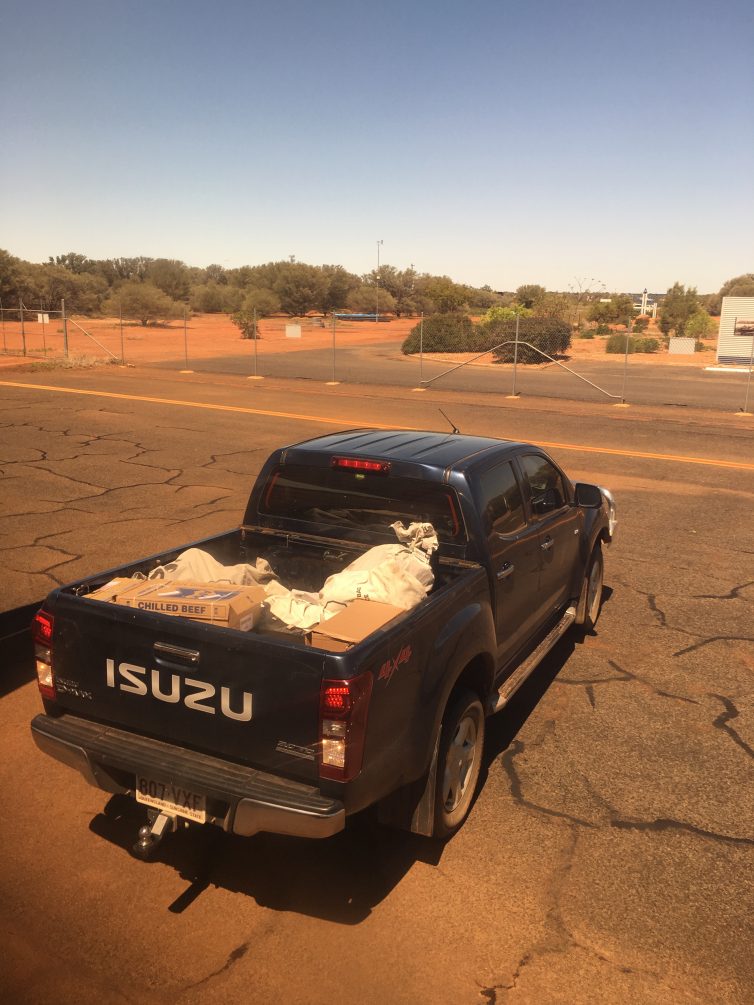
[[640, 381], [610, 853]]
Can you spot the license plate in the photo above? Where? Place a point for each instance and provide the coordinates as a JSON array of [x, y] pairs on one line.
[[172, 799]]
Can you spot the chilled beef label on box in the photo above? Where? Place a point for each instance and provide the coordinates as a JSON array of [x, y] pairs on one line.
[[216, 603]]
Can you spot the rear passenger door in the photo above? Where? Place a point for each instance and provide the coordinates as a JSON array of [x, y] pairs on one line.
[[513, 547], [558, 524]]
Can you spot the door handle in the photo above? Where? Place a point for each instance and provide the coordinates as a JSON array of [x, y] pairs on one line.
[[547, 544], [171, 656], [506, 571]]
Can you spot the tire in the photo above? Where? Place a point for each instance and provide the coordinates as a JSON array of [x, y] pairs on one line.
[[459, 762], [592, 588]]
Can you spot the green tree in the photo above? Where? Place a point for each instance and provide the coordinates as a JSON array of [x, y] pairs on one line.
[[553, 305], [144, 302], [340, 284], [10, 275], [530, 294], [446, 295], [44, 286], [73, 261], [481, 299], [247, 322], [264, 302], [207, 298], [699, 326], [170, 276], [738, 286], [619, 309], [364, 300], [215, 274], [677, 307], [495, 314], [301, 288]]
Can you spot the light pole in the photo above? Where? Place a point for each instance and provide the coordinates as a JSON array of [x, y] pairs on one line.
[[377, 286]]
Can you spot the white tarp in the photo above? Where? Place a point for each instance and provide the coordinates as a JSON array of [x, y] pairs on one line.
[[198, 566], [397, 574]]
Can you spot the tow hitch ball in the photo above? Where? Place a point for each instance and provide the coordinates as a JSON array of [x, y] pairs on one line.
[[151, 834]]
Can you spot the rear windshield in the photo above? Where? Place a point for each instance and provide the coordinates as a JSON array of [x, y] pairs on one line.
[[361, 501]]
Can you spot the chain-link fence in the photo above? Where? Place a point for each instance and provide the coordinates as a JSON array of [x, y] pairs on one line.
[[511, 355]]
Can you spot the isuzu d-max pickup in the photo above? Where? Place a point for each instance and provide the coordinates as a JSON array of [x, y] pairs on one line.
[[262, 731]]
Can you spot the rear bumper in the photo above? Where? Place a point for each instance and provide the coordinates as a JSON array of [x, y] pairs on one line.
[[245, 801]]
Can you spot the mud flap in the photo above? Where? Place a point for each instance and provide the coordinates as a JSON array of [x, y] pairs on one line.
[[412, 807]]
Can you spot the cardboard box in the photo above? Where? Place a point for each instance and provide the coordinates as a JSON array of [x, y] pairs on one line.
[[359, 619], [214, 603]]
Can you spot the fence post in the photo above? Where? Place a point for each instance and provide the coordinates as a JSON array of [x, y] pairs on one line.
[[625, 362], [515, 358], [2, 319], [751, 365], [185, 337], [44, 340], [21, 315], [65, 329], [256, 339], [421, 348], [120, 319], [334, 381]]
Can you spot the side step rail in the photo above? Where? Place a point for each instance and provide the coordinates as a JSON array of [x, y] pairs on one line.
[[519, 675]]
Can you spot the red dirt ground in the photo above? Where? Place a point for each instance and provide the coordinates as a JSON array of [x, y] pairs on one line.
[[214, 335]]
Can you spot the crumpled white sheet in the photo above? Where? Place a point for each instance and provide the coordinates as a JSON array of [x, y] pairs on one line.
[[200, 567], [397, 574]]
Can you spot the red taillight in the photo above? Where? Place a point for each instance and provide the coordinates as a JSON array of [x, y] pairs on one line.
[[335, 699], [343, 711], [42, 630], [41, 627], [359, 464]]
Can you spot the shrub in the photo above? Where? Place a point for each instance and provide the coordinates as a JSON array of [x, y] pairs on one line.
[[587, 333], [640, 324], [646, 345], [602, 329], [442, 333], [617, 344], [550, 335]]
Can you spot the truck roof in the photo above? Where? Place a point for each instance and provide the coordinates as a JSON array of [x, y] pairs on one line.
[[438, 450]]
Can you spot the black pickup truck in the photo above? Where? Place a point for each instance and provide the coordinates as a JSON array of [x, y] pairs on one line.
[[260, 731]]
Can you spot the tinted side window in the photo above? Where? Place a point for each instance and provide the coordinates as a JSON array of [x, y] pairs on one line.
[[545, 484], [502, 505]]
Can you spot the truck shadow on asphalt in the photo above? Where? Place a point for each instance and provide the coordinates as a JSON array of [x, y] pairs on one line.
[[16, 647], [340, 879]]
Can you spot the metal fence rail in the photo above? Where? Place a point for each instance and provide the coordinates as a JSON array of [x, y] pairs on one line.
[[402, 353]]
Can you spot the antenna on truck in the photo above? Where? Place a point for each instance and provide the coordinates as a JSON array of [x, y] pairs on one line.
[[452, 424]]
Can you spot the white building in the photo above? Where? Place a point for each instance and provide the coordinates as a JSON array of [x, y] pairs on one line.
[[735, 341]]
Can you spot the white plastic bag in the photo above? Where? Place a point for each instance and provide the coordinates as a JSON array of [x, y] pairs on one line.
[[195, 565], [397, 574]]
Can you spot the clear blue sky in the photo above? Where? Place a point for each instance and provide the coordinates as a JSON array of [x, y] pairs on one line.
[[497, 142]]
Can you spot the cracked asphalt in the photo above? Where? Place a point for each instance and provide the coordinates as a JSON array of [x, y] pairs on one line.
[[610, 853]]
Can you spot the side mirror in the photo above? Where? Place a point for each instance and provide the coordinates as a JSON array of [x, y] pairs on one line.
[[588, 496]]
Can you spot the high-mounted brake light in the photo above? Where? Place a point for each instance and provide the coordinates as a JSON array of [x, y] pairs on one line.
[[42, 629], [360, 464], [343, 711]]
